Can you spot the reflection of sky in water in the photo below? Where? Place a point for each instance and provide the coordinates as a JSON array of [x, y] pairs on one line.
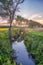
[[22, 55]]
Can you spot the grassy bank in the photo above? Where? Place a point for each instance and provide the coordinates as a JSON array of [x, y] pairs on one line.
[[34, 44], [5, 47], [33, 40]]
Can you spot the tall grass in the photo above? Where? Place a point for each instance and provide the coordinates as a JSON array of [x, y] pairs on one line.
[[5, 47], [34, 44]]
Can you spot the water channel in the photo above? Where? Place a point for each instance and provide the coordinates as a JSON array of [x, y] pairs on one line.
[[22, 54]]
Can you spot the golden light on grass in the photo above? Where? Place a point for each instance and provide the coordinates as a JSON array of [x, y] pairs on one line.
[[2, 29]]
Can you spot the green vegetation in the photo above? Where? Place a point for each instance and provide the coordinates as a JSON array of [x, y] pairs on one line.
[[33, 41], [5, 48], [34, 44]]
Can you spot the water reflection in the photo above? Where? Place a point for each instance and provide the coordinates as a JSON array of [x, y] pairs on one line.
[[22, 54]]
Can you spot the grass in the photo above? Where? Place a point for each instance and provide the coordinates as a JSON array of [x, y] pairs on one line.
[[34, 44], [5, 46], [2, 29], [33, 40], [36, 33]]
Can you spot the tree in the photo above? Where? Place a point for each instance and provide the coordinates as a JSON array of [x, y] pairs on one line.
[[8, 9], [20, 18]]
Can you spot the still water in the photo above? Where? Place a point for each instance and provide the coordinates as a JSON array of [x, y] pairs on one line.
[[22, 54]]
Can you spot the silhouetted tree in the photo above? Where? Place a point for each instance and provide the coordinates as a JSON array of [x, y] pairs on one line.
[[8, 9]]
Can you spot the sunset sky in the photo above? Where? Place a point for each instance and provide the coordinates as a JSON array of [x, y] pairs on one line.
[[32, 9]]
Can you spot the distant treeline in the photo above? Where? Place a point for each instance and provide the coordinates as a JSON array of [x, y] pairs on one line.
[[33, 24], [4, 26], [30, 23]]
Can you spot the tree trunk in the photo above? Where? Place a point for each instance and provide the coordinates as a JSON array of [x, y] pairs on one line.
[[9, 32]]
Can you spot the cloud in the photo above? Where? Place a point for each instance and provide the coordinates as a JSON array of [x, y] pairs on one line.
[[35, 16]]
